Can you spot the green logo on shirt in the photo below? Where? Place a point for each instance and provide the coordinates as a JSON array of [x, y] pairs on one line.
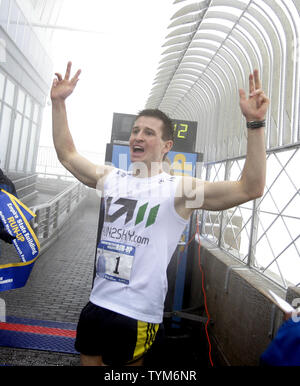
[[151, 217], [128, 207]]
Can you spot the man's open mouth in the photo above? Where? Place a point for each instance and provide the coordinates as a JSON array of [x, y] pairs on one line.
[[138, 149]]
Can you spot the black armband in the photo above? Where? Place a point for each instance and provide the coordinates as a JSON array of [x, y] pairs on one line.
[[256, 124]]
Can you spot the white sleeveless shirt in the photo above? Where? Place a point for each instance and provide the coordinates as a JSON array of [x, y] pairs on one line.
[[140, 233]]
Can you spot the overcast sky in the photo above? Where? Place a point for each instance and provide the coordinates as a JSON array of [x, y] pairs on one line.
[[118, 65]]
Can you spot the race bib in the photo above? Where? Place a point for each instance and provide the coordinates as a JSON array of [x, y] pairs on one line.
[[114, 261]]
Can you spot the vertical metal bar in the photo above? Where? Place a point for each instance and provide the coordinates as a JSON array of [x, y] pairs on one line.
[[47, 223], [253, 233], [207, 177], [55, 222], [9, 14], [228, 164], [69, 202], [249, 259], [13, 117]]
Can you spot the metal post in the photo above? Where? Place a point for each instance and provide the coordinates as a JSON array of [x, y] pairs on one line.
[[226, 178], [253, 233], [207, 177]]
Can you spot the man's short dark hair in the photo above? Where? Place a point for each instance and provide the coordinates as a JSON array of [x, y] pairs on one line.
[[168, 130]]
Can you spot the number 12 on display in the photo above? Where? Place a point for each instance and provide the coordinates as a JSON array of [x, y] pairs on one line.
[[182, 130]]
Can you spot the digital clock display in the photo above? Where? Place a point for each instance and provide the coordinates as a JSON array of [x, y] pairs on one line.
[[184, 132], [184, 135]]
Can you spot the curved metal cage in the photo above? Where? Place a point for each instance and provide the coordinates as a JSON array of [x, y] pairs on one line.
[[209, 53]]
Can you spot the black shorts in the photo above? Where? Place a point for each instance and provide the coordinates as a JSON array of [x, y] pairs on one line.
[[117, 338]]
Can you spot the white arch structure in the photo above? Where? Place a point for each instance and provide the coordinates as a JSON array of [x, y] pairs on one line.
[[211, 49]]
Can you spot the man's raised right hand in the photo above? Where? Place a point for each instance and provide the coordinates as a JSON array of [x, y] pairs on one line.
[[62, 88]]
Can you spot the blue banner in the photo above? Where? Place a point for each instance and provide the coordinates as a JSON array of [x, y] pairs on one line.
[[15, 217]]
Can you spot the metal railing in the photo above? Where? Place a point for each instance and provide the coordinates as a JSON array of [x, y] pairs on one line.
[[51, 216], [26, 187]]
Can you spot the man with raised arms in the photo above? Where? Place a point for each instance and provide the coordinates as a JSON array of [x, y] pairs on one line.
[[125, 310]]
